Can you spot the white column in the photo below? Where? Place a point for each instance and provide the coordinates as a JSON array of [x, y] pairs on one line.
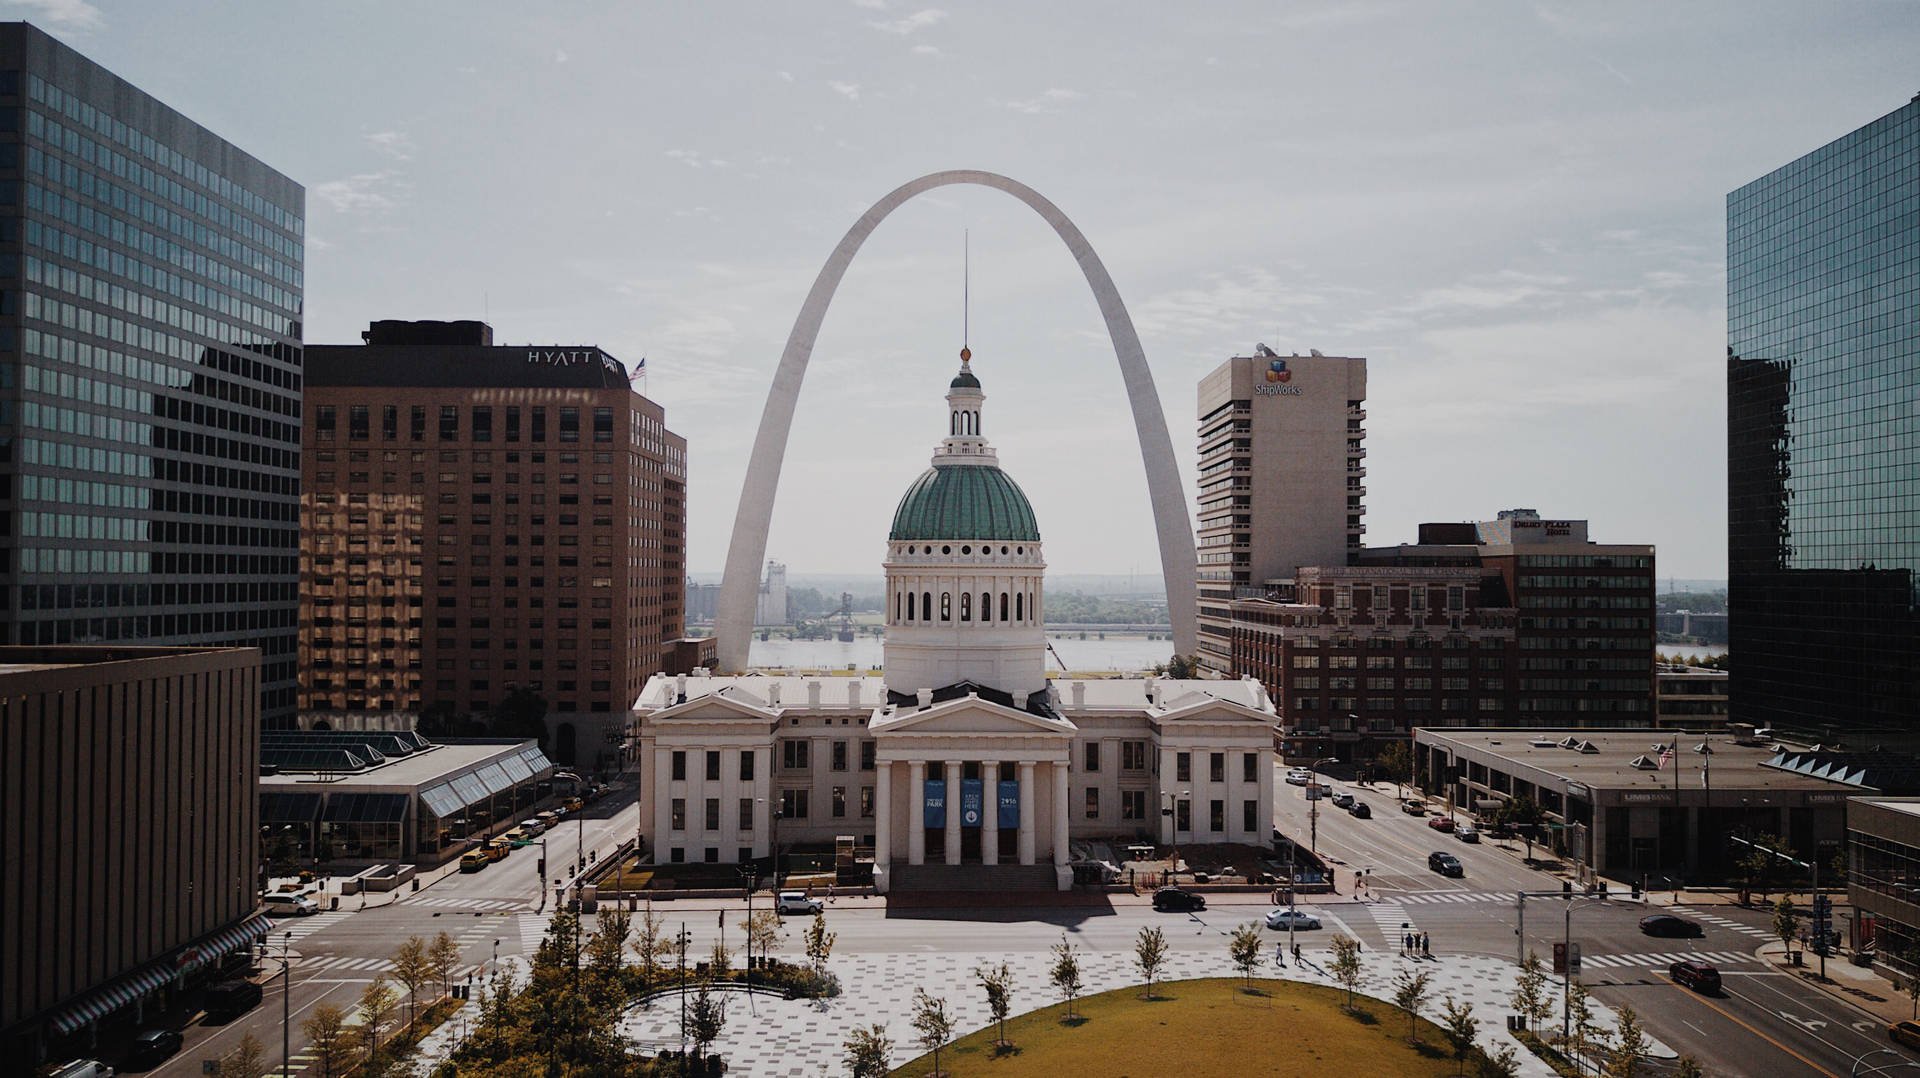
[[763, 804], [882, 813], [916, 812], [1265, 772], [1168, 785], [953, 807], [1026, 812], [1059, 813], [990, 821], [662, 805]]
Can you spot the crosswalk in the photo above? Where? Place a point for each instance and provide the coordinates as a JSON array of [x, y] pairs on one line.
[[1695, 913], [1717, 958], [1432, 897], [1390, 916], [299, 928], [342, 963], [483, 904], [533, 929]]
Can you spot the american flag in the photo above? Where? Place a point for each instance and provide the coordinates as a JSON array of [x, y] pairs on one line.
[[1666, 753]]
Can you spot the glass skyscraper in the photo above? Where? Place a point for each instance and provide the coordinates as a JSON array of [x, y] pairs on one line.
[[150, 325], [1823, 439]]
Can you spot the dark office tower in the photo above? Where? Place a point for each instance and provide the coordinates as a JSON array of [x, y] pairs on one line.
[[1823, 439], [150, 297]]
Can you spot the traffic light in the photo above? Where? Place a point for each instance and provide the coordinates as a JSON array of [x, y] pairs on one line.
[[543, 868]]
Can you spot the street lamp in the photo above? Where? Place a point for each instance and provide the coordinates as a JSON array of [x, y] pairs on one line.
[[286, 1008], [1899, 1062], [1168, 802], [580, 835], [774, 812]]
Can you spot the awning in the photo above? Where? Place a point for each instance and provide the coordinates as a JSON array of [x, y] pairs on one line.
[[366, 808], [495, 778], [471, 790], [118, 993], [210, 949], [516, 768], [537, 760], [442, 801]]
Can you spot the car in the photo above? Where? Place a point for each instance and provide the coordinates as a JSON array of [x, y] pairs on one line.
[[282, 904], [559, 812], [547, 819], [1343, 799], [1359, 810], [81, 1068], [1445, 864], [1666, 924], [1466, 833], [152, 1047], [534, 826], [1174, 900], [574, 804], [496, 850], [1288, 915], [1440, 823], [474, 861], [230, 999], [1697, 975], [1905, 1032], [1299, 776], [1413, 806], [516, 836], [796, 902]]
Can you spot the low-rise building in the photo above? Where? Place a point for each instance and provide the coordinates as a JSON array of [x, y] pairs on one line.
[[1641, 803], [1689, 697], [1883, 879]]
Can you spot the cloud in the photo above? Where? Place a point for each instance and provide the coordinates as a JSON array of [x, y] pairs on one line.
[[785, 76], [393, 143], [69, 16], [363, 192], [871, 5], [848, 90], [926, 50], [917, 21], [696, 159], [1488, 292], [560, 56], [1046, 102]]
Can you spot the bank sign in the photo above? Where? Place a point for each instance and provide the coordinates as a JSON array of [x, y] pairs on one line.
[[1277, 381]]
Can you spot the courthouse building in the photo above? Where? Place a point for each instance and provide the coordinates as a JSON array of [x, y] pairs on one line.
[[963, 761]]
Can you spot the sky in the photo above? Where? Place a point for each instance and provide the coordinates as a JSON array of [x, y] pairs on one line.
[[1515, 211]]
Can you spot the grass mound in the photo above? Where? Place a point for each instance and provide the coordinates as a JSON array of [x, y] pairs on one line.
[[1201, 1029]]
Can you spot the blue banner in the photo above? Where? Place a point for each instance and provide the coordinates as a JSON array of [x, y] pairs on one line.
[[1010, 806], [972, 800], [936, 802]]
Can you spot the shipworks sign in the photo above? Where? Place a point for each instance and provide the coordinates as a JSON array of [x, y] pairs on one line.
[[1277, 381]]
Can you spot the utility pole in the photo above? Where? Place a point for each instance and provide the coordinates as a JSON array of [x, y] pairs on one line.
[[286, 1008]]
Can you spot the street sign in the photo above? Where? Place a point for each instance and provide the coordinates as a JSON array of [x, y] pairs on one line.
[[1573, 960], [1315, 792]]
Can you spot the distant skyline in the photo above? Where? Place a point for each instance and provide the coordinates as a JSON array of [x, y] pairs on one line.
[[1516, 212]]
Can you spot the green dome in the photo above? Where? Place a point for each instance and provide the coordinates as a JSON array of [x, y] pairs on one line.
[[964, 380], [964, 501]]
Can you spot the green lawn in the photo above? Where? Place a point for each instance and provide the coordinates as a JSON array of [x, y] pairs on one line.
[[1200, 1029]]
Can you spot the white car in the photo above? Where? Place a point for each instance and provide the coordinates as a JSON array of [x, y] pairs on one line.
[[795, 902], [1285, 915], [286, 905], [1299, 776]]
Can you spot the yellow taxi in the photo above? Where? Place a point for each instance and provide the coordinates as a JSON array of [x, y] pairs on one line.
[[1907, 1033], [574, 804], [473, 861], [496, 850]]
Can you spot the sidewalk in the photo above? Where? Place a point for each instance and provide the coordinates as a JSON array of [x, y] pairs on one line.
[[1863, 988]]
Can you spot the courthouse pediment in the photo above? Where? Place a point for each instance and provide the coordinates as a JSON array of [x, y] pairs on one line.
[[729, 703], [968, 717], [1201, 707]]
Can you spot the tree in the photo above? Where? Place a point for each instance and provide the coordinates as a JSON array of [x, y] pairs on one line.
[[1396, 762], [1461, 1030], [1150, 954], [932, 1022], [1179, 668], [1530, 992], [651, 945], [819, 944], [413, 969], [281, 860], [1911, 957], [1502, 1064], [763, 932], [1244, 947], [1409, 994], [1345, 965], [1786, 924], [720, 961], [1524, 815], [1580, 1016], [706, 1017], [869, 1052], [521, 713], [326, 1033], [998, 984], [444, 953], [1066, 973], [248, 1060], [1755, 869], [1688, 1067], [376, 1006], [1629, 1044]]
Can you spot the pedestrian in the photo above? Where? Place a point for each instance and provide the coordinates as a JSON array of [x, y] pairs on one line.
[[1296, 954], [829, 890], [1279, 954], [1426, 939], [1406, 942]]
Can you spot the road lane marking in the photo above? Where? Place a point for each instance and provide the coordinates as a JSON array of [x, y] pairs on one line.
[[1729, 1015]]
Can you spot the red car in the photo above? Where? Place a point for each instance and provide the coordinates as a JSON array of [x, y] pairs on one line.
[[1441, 823]]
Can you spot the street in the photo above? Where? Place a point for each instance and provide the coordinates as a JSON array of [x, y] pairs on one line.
[[1762, 1024]]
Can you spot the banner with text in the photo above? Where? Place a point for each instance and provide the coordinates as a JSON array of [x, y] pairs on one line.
[[1009, 806], [972, 797], [936, 802]]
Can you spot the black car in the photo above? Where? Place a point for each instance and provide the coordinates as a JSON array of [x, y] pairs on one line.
[[1359, 810], [1174, 900], [230, 999], [1699, 976], [152, 1047], [1445, 864], [1666, 924]]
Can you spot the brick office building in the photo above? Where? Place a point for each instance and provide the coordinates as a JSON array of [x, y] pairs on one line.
[[1514, 621], [480, 518]]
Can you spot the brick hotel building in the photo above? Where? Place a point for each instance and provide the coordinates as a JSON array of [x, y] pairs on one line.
[[478, 518]]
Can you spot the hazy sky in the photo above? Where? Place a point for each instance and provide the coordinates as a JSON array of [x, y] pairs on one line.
[[1515, 211]]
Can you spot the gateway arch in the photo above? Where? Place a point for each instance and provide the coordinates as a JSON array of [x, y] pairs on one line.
[[739, 587]]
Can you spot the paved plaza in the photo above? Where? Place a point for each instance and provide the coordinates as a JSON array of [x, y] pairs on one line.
[[767, 1037]]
